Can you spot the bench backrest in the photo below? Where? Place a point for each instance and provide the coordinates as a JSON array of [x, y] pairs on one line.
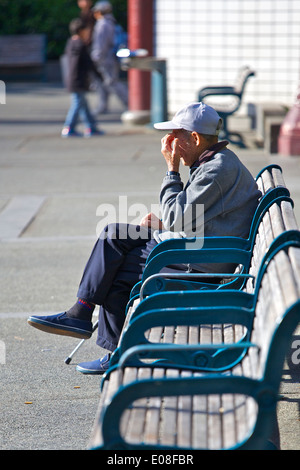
[[22, 50], [271, 183], [244, 74], [277, 314], [278, 219]]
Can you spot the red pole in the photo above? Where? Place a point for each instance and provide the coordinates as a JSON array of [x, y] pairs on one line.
[[140, 32]]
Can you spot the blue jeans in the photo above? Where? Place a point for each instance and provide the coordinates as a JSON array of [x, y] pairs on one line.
[[79, 109]]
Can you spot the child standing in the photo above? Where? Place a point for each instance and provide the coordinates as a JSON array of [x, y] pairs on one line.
[[79, 67]]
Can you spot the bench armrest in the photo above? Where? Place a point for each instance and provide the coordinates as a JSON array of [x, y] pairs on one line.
[[165, 301], [188, 256], [188, 281], [190, 277], [179, 354], [217, 90], [198, 243]]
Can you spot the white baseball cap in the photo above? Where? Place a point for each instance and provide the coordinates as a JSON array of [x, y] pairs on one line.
[[195, 117]]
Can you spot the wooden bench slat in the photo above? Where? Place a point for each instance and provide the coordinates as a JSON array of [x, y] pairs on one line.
[[229, 421], [136, 416], [294, 255], [184, 422], [278, 177], [169, 334], [153, 414], [289, 216], [214, 422], [200, 424], [169, 419], [267, 181]]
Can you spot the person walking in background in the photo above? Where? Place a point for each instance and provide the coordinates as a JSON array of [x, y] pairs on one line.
[[87, 16], [79, 66], [104, 57]]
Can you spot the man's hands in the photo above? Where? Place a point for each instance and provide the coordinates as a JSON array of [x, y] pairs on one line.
[[170, 151], [152, 221]]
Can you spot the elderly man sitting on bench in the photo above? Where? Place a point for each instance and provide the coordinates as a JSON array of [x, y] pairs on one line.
[[218, 181]]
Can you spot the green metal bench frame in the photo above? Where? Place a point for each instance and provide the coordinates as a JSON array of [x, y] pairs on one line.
[[263, 389]]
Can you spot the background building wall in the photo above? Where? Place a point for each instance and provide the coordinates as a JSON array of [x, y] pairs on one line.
[[206, 41]]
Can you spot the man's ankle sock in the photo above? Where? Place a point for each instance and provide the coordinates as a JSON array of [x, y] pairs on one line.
[[81, 310]]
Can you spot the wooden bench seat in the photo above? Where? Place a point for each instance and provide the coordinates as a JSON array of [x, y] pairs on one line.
[[161, 408]]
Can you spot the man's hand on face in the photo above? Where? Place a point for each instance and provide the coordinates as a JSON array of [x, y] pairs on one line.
[[170, 151]]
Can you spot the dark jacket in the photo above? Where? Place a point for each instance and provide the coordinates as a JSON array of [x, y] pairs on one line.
[[79, 66]]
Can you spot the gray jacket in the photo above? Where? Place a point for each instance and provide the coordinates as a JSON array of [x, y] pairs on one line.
[[102, 50], [219, 199]]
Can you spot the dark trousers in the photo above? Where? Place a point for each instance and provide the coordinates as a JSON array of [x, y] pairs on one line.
[[116, 264]]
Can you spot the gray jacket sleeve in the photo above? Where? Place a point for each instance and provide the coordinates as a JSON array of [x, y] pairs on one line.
[[219, 199], [182, 208]]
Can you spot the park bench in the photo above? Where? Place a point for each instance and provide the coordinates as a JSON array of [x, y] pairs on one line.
[[159, 420], [158, 318], [272, 186], [157, 407], [22, 56], [227, 108], [275, 226]]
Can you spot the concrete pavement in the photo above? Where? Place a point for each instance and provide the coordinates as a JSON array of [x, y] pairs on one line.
[[55, 195]]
